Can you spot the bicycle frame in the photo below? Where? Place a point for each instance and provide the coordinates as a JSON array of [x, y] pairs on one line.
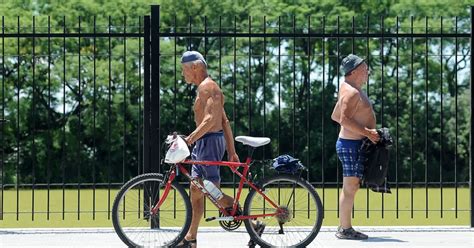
[[233, 166]]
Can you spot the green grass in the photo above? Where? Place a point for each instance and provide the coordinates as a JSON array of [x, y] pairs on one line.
[[376, 216]]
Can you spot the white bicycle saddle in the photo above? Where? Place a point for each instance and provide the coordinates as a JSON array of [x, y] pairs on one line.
[[253, 141]]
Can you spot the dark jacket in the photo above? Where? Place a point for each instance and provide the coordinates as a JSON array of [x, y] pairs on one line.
[[376, 161]]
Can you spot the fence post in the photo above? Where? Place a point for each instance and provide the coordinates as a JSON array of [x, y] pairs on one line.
[[155, 89], [146, 95], [471, 169]]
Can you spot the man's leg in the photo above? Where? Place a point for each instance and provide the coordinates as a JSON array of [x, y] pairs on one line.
[[197, 202], [350, 186]]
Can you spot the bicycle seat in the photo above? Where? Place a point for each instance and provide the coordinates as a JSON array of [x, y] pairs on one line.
[[253, 141]]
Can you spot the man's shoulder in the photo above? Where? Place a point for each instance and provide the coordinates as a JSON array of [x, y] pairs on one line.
[[348, 90], [209, 88]]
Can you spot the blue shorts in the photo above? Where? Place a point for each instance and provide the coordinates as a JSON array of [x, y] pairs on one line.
[[210, 147], [348, 152]]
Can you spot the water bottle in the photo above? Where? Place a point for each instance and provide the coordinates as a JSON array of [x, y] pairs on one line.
[[213, 190]]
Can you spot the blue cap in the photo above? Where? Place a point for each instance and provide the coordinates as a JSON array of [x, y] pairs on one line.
[[350, 62], [190, 56]]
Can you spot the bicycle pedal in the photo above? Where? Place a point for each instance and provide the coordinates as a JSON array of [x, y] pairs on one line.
[[210, 219]]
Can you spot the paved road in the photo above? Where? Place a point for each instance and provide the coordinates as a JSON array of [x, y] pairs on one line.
[[445, 237]]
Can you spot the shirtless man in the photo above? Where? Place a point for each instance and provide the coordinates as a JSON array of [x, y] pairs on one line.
[[212, 136], [354, 112]]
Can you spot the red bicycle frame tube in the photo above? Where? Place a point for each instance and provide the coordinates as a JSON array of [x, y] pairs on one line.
[[233, 166]]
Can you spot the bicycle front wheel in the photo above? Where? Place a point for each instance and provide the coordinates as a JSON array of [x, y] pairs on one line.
[[138, 226], [294, 222]]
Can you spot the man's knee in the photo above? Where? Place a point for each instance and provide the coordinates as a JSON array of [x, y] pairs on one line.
[[196, 192], [351, 186]]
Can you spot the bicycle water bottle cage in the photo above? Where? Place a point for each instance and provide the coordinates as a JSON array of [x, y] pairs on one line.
[[287, 164]]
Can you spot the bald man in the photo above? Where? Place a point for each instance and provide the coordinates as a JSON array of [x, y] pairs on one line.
[[212, 136]]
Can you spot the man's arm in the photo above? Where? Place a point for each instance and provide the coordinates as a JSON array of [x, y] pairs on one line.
[[209, 114], [229, 138]]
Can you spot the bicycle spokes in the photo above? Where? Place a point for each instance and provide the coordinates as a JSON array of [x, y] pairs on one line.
[[294, 222]]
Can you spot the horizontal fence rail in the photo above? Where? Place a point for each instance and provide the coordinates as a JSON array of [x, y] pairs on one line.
[[88, 110]]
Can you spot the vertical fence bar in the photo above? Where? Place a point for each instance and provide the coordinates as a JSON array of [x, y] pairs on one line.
[[146, 95], [124, 142], [175, 121], [94, 110], [155, 87], [323, 151], [426, 117], [220, 52], [249, 86], [412, 119], [140, 147], [456, 119], [397, 151], [2, 167], [353, 33], [146, 102], [264, 84], [441, 124], [308, 102], [49, 145], [367, 52], [471, 127], [79, 129], [337, 83], [308, 99], [294, 86], [109, 113], [382, 91], [234, 89], [17, 183], [264, 90], [63, 141], [33, 113], [279, 84], [124, 138]]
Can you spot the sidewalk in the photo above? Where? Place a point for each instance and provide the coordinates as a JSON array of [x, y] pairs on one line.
[[216, 237]]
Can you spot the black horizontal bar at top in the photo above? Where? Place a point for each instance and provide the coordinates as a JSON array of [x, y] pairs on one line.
[[72, 35], [256, 35], [318, 35]]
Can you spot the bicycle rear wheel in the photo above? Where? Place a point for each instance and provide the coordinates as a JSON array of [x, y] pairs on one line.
[[134, 222], [299, 217]]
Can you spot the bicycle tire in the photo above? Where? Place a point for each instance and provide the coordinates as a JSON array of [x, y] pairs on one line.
[[118, 214], [271, 236]]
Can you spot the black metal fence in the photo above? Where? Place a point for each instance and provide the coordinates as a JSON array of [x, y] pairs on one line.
[[78, 99]]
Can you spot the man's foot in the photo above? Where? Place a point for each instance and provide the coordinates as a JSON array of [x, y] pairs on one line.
[[350, 233], [187, 243], [259, 228]]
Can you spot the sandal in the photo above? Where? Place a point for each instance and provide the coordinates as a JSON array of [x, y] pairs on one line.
[[350, 233], [259, 228], [187, 243]]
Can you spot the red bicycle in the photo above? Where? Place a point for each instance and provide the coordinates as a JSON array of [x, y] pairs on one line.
[[154, 210]]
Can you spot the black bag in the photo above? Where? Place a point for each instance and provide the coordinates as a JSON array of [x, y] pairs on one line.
[[377, 166], [376, 162]]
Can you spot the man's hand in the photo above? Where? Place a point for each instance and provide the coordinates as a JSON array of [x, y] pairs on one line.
[[234, 158], [188, 141], [372, 135]]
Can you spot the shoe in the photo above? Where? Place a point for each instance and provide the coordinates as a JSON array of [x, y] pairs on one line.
[[187, 243], [259, 228], [350, 233]]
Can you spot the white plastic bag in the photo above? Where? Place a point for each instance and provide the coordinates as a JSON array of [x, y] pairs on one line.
[[178, 150]]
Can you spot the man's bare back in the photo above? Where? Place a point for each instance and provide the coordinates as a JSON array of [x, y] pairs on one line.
[[353, 104]]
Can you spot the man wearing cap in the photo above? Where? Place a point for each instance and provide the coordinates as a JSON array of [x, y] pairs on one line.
[[212, 136], [354, 112]]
